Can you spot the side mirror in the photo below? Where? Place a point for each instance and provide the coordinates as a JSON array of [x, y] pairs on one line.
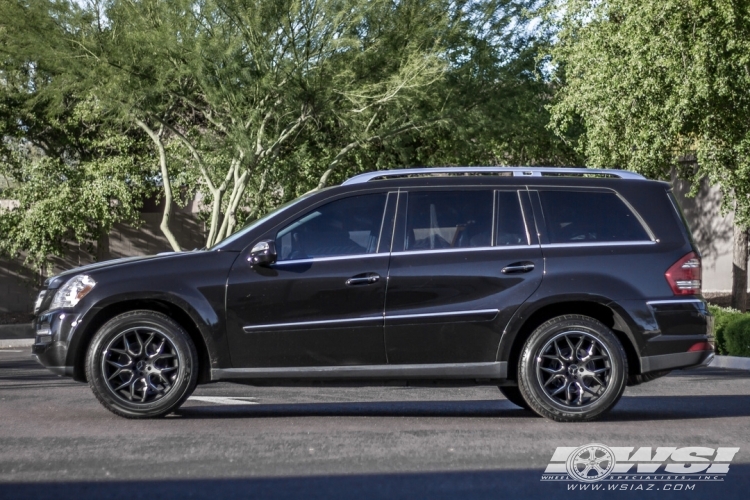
[[263, 253]]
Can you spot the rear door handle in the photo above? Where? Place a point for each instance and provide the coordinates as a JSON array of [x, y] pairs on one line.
[[363, 279], [518, 267]]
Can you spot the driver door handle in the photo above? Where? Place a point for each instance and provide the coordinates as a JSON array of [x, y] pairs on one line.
[[363, 279], [518, 267]]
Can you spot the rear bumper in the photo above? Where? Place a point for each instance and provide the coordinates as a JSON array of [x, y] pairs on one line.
[[673, 333], [677, 360]]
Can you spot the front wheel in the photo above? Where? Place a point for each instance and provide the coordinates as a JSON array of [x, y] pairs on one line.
[[572, 369], [142, 364]]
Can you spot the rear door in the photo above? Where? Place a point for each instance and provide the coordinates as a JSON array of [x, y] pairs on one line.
[[462, 262]]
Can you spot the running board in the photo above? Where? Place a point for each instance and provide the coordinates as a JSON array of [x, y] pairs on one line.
[[493, 370]]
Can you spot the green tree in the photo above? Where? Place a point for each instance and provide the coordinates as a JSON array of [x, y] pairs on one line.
[[68, 174], [658, 83]]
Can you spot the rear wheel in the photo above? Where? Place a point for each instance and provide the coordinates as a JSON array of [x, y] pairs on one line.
[[513, 394], [142, 364], [572, 368]]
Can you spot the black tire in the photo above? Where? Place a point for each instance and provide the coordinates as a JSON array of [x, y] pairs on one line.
[[572, 369], [513, 394], [142, 364]]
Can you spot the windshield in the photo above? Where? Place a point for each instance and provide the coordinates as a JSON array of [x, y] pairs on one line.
[[242, 232]]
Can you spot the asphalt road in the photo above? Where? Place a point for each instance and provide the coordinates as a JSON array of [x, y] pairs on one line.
[[233, 441]]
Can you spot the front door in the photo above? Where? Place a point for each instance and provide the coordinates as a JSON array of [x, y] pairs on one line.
[[321, 303], [463, 262]]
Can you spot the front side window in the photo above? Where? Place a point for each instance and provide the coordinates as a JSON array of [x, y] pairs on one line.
[[350, 226], [589, 217], [448, 219]]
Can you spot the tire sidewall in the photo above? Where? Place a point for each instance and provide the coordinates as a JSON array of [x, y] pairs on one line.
[[528, 380], [186, 373]]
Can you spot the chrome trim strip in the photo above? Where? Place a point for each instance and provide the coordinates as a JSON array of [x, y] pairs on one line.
[[523, 215], [441, 314], [470, 249], [491, 370], [675, 301], [272, 326], [326, 259], [515, 171], [598, 244]]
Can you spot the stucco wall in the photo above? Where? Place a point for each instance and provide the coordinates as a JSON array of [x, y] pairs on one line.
[[18, 285], [712, 232]]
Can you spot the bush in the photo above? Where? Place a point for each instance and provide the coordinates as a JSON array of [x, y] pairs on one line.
[[737, 336], [723, 316]]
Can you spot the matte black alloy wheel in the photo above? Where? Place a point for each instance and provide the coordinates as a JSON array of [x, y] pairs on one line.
[[142, 364], [572, 369]]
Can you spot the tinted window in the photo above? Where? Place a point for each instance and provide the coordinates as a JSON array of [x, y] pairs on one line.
[[448, 219], [510, 227], [578, 216], [349, 226]]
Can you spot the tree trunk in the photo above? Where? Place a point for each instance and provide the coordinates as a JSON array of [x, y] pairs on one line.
[[167, 214], [102, 246], [739, 269]]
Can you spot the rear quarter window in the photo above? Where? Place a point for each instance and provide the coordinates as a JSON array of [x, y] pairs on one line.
[[589, 217]]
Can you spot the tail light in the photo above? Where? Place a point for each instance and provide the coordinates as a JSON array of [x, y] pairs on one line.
[[684, 277]]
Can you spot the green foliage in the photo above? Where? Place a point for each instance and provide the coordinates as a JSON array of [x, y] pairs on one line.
[[76, 196], [70, 173], [723, 316], [250, 103], [658, 85], [737, 336]]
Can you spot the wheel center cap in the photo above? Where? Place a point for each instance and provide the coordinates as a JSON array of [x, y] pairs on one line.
[[141, 365], [573, 369]]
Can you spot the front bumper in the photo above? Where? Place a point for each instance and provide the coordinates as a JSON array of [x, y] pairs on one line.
[[54, 329]]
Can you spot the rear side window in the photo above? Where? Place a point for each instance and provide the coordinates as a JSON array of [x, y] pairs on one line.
[[511, 229], [448, 219], [589, 216]]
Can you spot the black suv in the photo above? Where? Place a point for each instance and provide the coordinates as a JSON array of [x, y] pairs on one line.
[[560, 286]]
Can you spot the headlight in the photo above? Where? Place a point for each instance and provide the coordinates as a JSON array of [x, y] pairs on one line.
[[39, 301], [73, 291]]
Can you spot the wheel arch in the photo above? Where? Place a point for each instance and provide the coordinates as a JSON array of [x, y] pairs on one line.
[[170, 309], [524, 323]]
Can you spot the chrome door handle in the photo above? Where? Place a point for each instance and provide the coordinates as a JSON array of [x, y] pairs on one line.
[[518, 267], [366, 279]]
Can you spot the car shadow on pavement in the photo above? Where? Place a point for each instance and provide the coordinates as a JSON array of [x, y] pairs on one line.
[[481, 408], [489, 484], [630, 408], [634, 408]]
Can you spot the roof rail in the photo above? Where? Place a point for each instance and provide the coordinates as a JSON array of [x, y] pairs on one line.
[[515, 171]]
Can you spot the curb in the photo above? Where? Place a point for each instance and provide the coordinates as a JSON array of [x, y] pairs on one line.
[[15, 343], [17, 331], [731, 362]]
